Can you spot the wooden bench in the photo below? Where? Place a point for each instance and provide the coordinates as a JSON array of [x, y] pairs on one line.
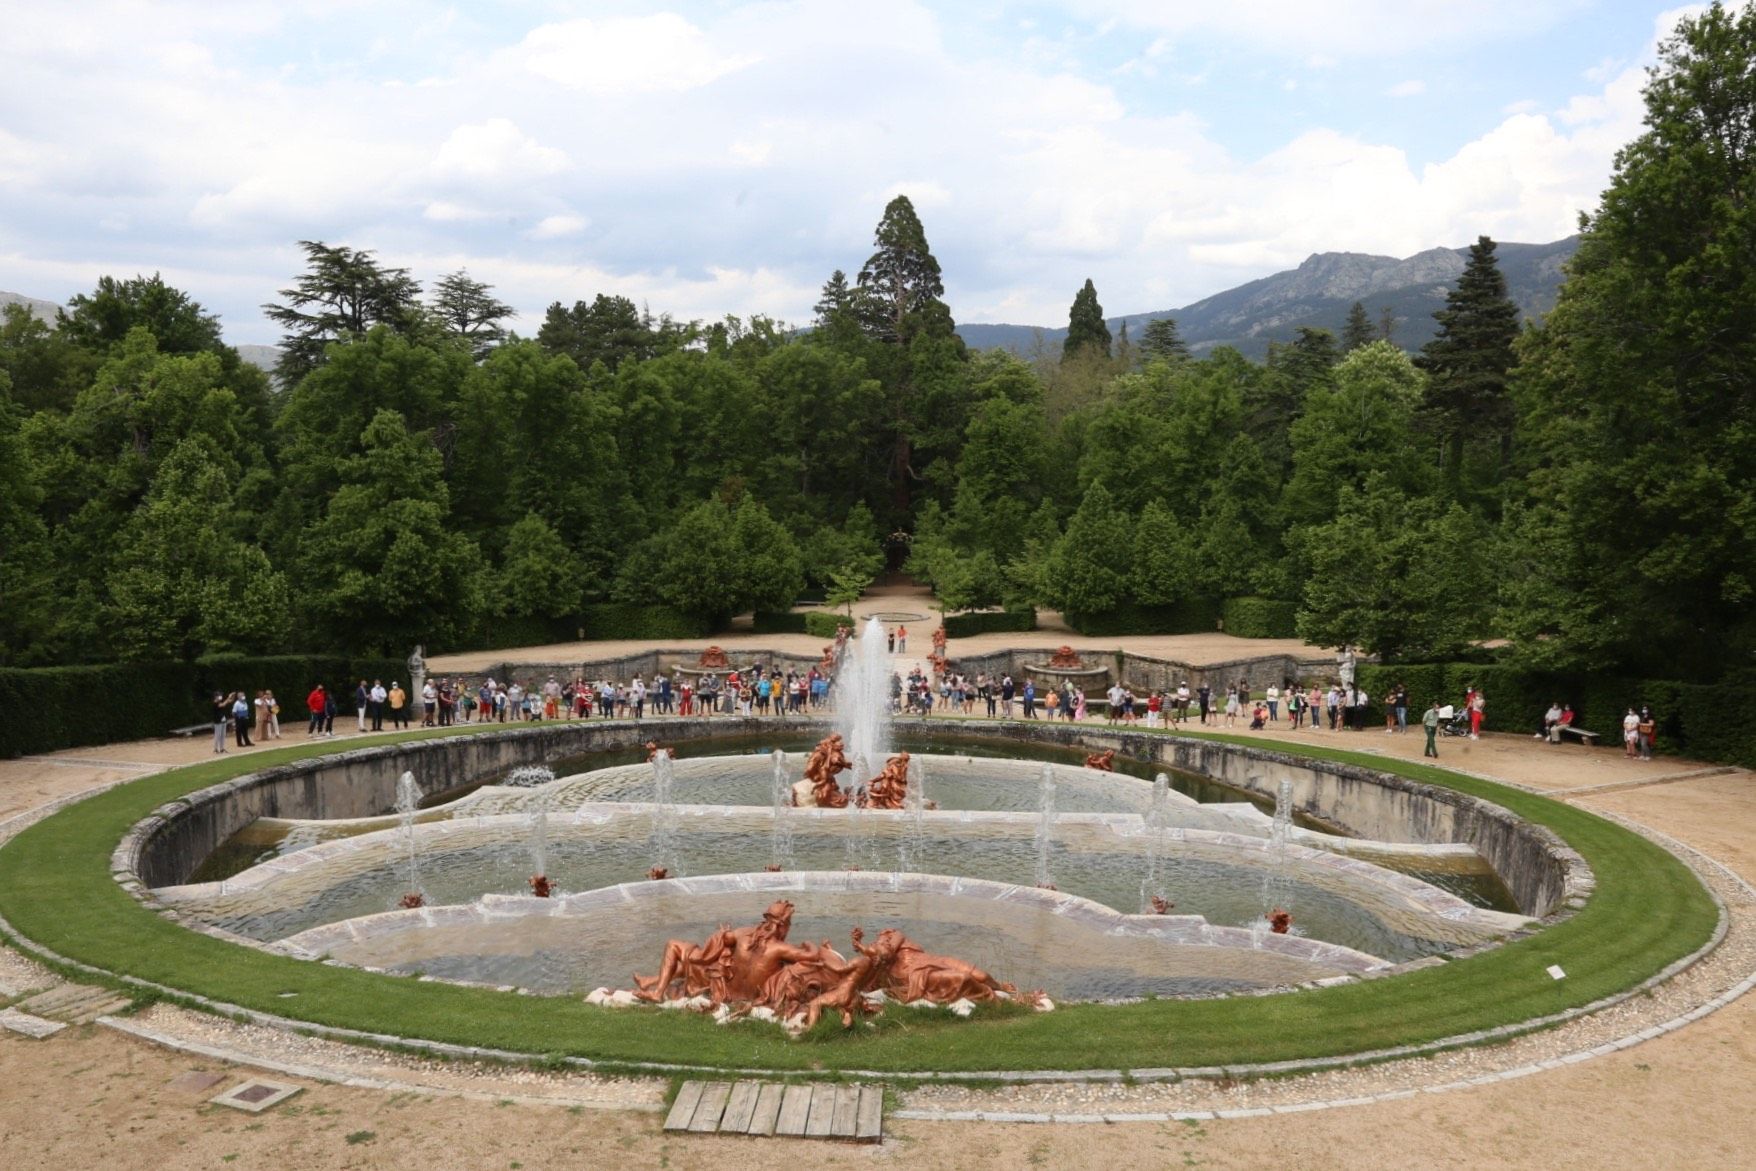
[[190, 730], [1560, 732]]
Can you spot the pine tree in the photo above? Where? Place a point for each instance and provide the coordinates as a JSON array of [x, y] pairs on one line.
[[1086, 329], [1387, 324], [1160, 339], [1467, 361], [903, 279], [343, 293], [466, 308], [1358, 331], [834, 298]]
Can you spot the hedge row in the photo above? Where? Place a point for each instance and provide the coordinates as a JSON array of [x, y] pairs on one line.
[[778, 622], [628, 620], [1195, 616], [1252, 617], [70, 707], [1694, 719], [988, 622], [819, 624]]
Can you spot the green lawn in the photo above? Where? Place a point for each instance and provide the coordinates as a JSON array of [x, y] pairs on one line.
[[1648, 910]]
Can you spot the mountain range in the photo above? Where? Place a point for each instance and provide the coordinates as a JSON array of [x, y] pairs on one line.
[[1319, 293]]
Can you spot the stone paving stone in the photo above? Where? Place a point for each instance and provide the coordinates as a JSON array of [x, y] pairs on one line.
[[26, 1025]]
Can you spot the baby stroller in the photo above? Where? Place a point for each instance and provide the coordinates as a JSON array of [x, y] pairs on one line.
[[1454, 721]]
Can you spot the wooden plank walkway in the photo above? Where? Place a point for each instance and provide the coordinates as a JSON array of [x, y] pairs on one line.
[[823, 1110]]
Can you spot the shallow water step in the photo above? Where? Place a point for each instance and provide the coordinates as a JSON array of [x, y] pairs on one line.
[[764, 1109]]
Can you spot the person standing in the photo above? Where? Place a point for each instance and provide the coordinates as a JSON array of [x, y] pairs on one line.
[[1273, 699], [241, 719], [222, 715], [376, 699], [902, 640], [398, 700], [362, 703], [1030, 700], [1647, 730], [1630, 735], [890, 639], [1431, 722], [1477, 708], [1400, 700], [314, 704]]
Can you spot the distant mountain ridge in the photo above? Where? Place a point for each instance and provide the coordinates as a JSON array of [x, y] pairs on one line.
[[1319, 294]]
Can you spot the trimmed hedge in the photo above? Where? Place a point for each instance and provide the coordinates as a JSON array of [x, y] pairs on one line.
[[988, 622], [1252, 617], [628, 620], [70, 707], [1194, 616], [779, 622], [819, 624], [1702, 720]]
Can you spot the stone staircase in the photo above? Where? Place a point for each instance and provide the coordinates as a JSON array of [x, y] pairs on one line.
[[47, 1013]]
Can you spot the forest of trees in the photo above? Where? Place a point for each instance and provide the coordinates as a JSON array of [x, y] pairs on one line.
[[414, 472]]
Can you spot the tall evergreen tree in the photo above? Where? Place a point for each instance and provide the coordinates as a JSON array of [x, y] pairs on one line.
[[466, 308], [1358, 330], [1636, 548], [903, 279], [1467, 362], [1086, 329], [343, 293], [1160, 339]]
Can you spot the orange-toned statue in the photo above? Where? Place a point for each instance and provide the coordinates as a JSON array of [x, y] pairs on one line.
[[714, 659], [911, 974], [819, 789], [1066, 657], [826, 664], [939, 642], [733, 965], [1280, 920], [889, 789], [1105, 760]]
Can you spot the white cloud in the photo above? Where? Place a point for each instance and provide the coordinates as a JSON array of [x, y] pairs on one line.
[[1407, 89], [626, 54], [496, 149], [556, 227]]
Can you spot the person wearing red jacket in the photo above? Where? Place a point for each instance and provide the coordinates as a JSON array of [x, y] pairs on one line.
[[317, 703]]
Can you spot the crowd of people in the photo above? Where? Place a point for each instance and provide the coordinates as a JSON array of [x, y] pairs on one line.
[[771, 690]]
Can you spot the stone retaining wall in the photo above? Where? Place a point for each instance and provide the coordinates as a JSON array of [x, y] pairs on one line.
[[1543, 874]]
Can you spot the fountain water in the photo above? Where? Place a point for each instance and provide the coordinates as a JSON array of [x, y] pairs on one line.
[[408, 800], [1152, 886], [539, 846], [862, 699], [1045, 832], [1276, 887], [780, 797], [664, 814], [914, 837], [528, 776]]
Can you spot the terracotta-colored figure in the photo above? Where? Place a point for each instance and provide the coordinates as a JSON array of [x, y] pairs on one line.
[[658, 873], [827, 663], [1279, 921], [411, 901], [819, 788], [714, 659], [889, 789], [1161, 905], [913, 974], [540, 886], [653, 749], [939, 641], [1067, 657], [731, 966], [1105, 760]]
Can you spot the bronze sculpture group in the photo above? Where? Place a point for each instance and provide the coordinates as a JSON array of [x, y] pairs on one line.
[[755, 967], [820, 790]]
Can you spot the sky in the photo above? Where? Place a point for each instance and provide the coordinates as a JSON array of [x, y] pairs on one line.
[[724, 158]]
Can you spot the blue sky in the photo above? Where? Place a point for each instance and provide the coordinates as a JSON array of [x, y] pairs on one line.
[[716, 158]]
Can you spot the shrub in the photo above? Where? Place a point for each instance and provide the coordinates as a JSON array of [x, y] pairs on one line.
[[820, 624], [780, 622], [988, 621], [1193, 616], [1251, 617]]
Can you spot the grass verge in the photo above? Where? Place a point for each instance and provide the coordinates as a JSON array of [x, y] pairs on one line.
[[1648, 911]]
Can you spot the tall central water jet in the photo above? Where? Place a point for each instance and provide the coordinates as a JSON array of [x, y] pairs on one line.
[[1152, 889], [862, 700]]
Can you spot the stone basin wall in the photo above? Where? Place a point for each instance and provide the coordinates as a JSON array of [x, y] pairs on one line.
[[1543, 874]]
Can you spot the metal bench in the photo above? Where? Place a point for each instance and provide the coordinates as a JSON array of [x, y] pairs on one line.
[[1560, 732]]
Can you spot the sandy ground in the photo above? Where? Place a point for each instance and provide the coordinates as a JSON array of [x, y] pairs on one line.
[[92, 1098], [909, 607]]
